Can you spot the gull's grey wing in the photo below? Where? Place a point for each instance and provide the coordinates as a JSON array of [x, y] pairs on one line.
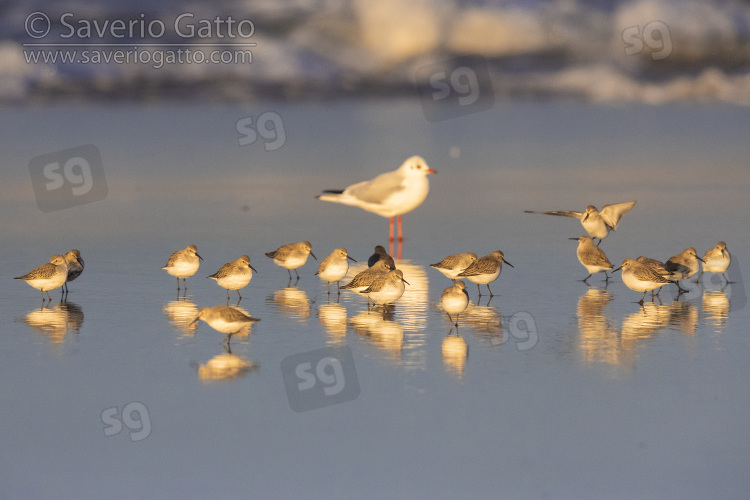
[[378, 189], [563, 213], [613, 213]]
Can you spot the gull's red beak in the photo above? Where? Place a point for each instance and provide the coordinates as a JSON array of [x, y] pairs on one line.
[[431, 171]]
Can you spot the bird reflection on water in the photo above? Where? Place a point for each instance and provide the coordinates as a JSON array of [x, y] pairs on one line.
[[454, 351], [225, 366], [332, 317], [180, 314], [292, 302], [55, 322]]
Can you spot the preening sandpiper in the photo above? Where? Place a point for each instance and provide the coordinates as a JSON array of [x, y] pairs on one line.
[[380, 254], [75, 266], [683, 266]]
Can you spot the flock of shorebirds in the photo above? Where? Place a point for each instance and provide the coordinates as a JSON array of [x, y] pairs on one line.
[[390, 195]]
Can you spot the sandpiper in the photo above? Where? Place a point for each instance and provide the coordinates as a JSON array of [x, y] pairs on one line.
[[380, 254], [234, 275], [224, 319], [592, 257], [183, 264], [655, 265], [641, 278], [485, 270], [334, 267], [386, 288], [365, 278], [75, 266], [454, 300], [717, 260], [389, 194], [597, 224], [47, 276], [292, 256], [683, 266], [453, 265]]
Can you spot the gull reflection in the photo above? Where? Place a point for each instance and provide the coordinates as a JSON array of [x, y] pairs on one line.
[[716, 306], [384, 333], [55, 322], [180, 314], [598, 340], [225, 366], [454, 352], [332, 317], [292, 302]]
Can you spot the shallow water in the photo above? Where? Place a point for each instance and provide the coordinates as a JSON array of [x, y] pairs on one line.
[[550, 389]]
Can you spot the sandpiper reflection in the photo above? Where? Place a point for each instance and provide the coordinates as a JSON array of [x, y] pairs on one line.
[[716, 306], [484, 321], [180, 314], [225, 366], [332, 317], [642, 325], [454, 351], [291, 301], [411, 308], [384, 333], [684, 316], [597, 338], [55, 322]]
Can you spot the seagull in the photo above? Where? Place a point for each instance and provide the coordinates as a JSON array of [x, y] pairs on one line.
[[597, 224], [388, 195]]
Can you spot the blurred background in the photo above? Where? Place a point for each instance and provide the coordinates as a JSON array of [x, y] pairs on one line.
[[651, 51]]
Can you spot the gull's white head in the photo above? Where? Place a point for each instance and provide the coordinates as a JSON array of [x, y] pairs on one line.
[[416, 167]]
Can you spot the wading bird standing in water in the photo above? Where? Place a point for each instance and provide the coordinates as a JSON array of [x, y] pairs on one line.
[[389, 195]]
